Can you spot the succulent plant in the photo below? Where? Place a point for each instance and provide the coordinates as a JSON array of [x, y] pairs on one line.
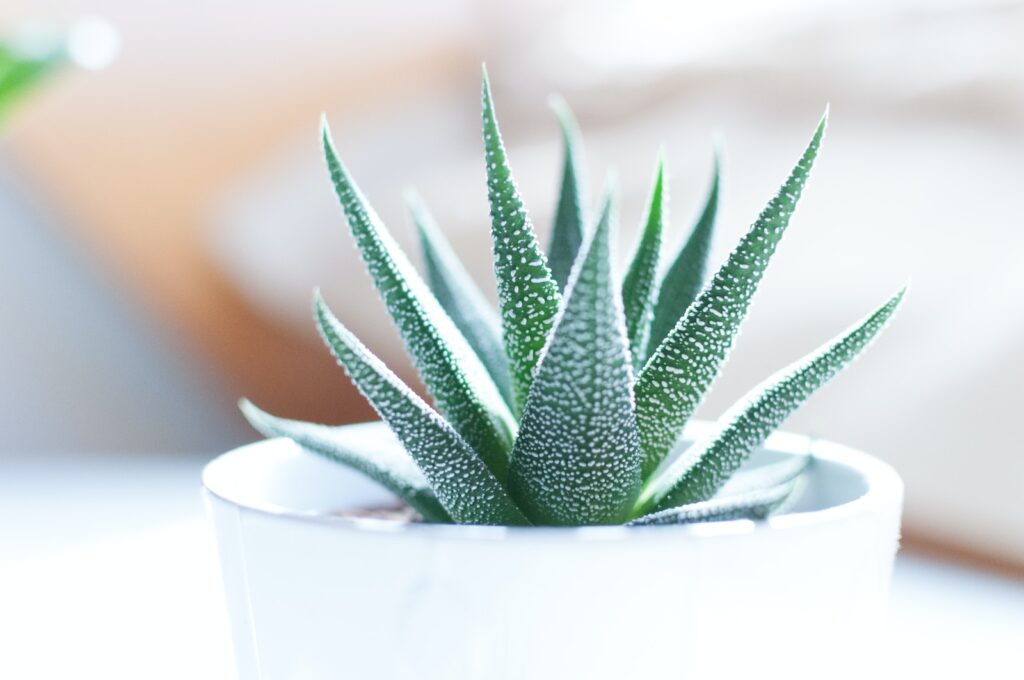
[[566, 405]]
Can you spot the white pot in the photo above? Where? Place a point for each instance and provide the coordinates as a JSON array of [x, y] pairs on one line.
[[316, 596]]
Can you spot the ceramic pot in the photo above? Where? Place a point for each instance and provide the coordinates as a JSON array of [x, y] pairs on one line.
[[316, 595]]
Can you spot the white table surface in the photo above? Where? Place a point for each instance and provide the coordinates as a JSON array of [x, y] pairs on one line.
[[108, 570]]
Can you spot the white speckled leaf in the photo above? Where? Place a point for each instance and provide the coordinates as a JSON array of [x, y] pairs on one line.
[[451, 371], [464, 485], [527, 294], [676, 377], [570, 221], [685, 276], [638, 291], [384, 460], [460, 297], [577, 458], [703, 468], [757, 504]]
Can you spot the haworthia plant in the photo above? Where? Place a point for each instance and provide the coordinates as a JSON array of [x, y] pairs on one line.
[[570, 223], [577, 458], [561, 407], [682, 368]]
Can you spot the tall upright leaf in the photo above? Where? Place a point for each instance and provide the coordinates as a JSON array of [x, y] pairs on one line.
[[577, 457], [707, 465], [570, 221], [451, 371], [463, 483], [460, 297], [527, 294], [638, 287], [382, 459], [685, 276], [675, 378]]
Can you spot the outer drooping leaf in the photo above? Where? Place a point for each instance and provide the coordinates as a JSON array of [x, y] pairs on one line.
[[527, 294], [577, 458], [638, 286], [460, 297], [756, 504], [451, 371], [382, 459], [674, 380], [464, 485], [685, 276], [766, 476], [569, 227], [703, 468]]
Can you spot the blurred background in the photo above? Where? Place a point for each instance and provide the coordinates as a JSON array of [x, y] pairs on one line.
[[165, 218]]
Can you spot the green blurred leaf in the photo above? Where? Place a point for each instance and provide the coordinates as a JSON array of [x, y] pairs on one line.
[[685, 276], [452, 372], [19, 72], [570, 221], [382, 459], [577, 458], [674, 380], [460, 297], [527, 294], [463, 483], [703, 468], [638, 287]]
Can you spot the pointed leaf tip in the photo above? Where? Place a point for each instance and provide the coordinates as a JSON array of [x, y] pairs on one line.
[[708, 464], [527, 293], [685, 364], [577, 458]]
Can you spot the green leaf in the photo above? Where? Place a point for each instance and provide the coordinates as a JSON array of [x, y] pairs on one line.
[[569, 227], [527, 294], [675, 378], [757, 504], [460, 297], [463, 483], [19, 72], [685, 276], [638, 286], [577, 458], [703, 468], [382, 459], [451, 371]]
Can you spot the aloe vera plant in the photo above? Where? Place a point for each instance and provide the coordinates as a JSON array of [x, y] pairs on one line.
[[562, 407]]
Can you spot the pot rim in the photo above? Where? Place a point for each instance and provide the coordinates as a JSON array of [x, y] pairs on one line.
[[883, 488]]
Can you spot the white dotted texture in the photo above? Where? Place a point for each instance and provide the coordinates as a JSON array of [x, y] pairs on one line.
[[450, 370], [464, 485], [703, 468], [577, 458], [675, 379], [389, 466], [528, 296]]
